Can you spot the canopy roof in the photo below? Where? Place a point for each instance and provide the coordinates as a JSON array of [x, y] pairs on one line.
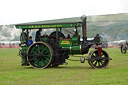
[[56, 23]]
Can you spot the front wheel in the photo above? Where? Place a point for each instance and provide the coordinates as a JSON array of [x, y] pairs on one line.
[[98, 62]]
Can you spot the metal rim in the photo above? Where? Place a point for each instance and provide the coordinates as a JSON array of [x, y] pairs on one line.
[[42, 52], [123, 49], [89, 57], [98, 63]]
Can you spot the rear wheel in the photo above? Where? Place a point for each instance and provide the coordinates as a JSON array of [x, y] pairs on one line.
[[40, 55], [123, 49], [98, 62]]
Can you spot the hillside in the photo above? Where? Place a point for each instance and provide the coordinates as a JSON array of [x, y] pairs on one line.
[[109, 17], [109, 26]]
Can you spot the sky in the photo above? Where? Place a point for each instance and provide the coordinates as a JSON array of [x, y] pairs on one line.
[[21, 11]]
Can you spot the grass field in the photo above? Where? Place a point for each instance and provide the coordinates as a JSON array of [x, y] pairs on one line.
[[75, 73]]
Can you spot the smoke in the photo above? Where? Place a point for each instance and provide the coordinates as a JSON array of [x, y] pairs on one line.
[[94, 18], [9, 33], [105, 37]]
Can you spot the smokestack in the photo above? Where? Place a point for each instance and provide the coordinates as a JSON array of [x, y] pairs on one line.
[[84, 27]]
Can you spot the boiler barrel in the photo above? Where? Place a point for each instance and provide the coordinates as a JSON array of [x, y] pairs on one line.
[[74, 49]]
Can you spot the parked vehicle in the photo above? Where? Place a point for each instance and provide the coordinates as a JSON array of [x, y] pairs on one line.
[[53, 49]]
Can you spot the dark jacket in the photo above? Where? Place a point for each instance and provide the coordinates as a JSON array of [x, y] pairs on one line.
[[37, 36], [30, 42]]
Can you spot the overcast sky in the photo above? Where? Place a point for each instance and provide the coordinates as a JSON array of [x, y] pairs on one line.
[[20, 11]]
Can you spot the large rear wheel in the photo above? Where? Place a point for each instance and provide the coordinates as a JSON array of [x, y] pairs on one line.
[[40, 55], [98, 62]]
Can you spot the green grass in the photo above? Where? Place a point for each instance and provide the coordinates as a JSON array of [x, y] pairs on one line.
[[75, 73]]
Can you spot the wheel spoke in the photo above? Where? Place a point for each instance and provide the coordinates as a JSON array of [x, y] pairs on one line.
[[99, 63], [43, 50], [93, 55], [102, 54], [93, 60], [46, 52], [40, 63], [34, 52], [38, 49], [47, 59], [43, 64], [45, 55], [37, 62], [95, 63], [32, 49], [96, 54], [43, 61], [103, 60]]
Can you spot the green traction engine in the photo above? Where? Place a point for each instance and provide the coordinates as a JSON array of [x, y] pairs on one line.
[[65, 37]]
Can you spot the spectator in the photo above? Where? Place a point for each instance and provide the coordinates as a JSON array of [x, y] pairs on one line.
[[30, 41]]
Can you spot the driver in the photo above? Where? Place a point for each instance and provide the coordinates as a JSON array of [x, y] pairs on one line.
[[38, 35]]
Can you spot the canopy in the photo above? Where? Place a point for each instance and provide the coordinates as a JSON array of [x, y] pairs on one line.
[[56, 23]]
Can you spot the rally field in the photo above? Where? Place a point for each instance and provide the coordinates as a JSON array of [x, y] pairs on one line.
[[75, 73]]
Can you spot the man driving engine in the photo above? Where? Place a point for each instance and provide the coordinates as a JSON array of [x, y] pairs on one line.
[[38, 35]]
